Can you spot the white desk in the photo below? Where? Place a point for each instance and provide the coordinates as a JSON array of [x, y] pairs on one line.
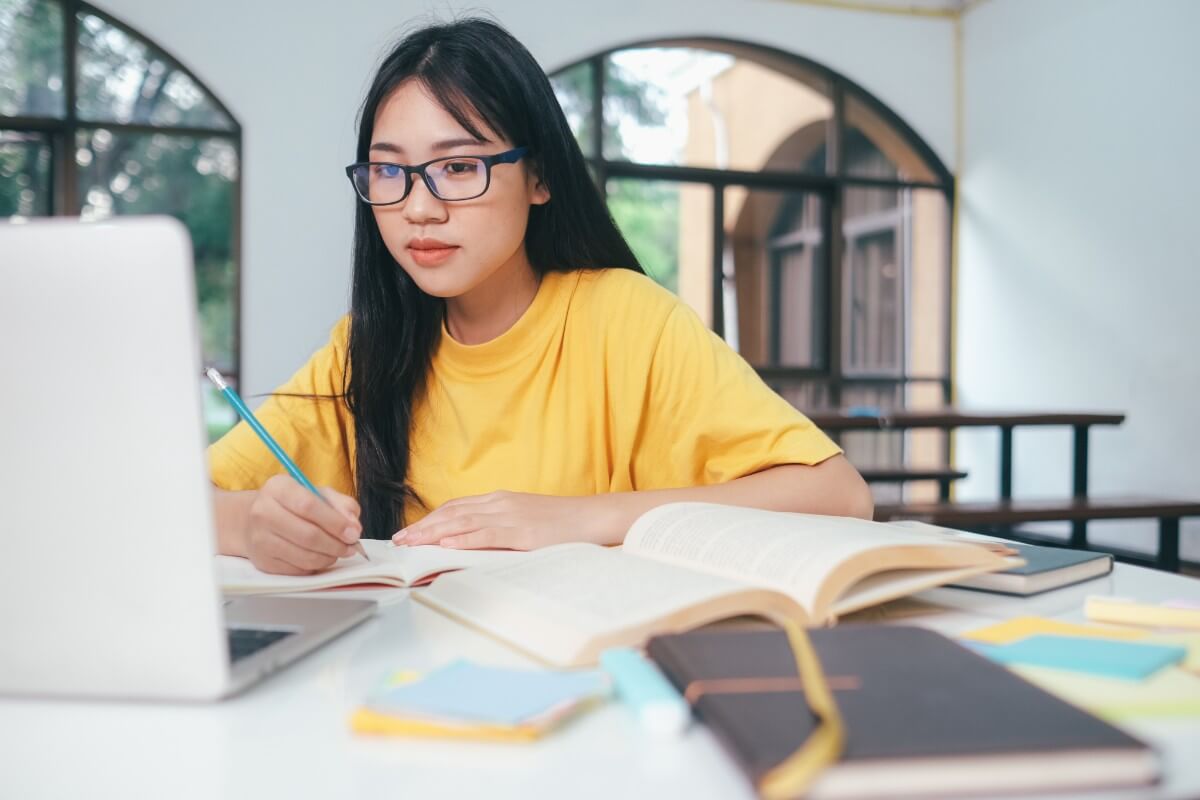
[[288, 737]]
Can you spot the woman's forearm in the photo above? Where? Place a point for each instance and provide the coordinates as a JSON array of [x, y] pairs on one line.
[[832, 487]]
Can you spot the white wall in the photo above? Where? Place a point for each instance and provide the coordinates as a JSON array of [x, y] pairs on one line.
[[1080, 268], [294, 74]]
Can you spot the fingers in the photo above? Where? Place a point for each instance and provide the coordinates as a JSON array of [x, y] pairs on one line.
[[454, 516], [429, 531], [344, 503], [304, 504], [305, 534], [287, 552], [293, 532]]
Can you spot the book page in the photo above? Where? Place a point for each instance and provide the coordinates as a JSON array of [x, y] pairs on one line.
[[794, 553], [389, 565], [563, 603]]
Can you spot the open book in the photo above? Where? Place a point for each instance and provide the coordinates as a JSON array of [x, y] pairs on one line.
[[687, 564], [389, 566]]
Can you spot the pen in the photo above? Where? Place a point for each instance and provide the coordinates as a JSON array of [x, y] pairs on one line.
[[245, 413]]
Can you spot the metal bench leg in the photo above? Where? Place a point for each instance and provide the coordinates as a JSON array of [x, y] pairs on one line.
[[1079, 540], [1168, 544], [1080, 480]]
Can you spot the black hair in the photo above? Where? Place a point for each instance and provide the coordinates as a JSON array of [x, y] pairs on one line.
[[479, 73]]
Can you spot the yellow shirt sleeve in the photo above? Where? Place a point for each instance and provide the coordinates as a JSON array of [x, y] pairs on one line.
[[316, 432], [711, 418]]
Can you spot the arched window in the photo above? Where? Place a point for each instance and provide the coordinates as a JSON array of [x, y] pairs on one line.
[[96, 120], [800, 217]]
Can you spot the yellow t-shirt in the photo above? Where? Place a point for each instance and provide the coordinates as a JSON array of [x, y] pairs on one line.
[[607, 383]]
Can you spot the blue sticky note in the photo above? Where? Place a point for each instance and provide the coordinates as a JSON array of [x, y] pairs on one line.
[[1128, 660], [467, 691]]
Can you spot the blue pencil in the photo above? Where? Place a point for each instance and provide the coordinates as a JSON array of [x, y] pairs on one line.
[[245, 413]]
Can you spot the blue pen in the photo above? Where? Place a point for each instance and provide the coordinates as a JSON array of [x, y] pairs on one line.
[[245, 413]]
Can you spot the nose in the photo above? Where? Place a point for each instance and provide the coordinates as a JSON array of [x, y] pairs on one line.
[[422, 206]]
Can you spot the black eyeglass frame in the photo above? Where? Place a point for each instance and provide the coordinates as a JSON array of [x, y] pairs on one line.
[[507, 157]]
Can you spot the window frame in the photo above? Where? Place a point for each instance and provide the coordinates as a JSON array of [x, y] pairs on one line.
[[61, 134], [829, 186]]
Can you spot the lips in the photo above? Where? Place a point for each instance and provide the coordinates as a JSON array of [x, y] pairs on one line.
[[430, 252]]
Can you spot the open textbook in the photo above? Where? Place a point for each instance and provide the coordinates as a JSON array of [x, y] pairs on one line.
[[687, 564], [389, 566]]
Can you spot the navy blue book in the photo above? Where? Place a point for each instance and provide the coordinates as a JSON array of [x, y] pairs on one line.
[[1045, 568]]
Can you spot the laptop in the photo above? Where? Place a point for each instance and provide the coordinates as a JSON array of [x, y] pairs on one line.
[[108, 585]]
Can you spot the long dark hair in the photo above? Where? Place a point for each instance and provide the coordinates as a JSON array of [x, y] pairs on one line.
[[478, 71]]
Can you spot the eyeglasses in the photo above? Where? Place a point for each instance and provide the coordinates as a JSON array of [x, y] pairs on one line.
[[383, 183]]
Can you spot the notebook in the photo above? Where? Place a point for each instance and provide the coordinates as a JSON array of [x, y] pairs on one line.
[[924, 715], [389, 566], [1045, 568]]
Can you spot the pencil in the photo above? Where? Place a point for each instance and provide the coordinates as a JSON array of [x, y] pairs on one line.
[[245, 413]]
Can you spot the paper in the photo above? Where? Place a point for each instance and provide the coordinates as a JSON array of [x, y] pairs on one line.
[[487, 695], [1170, 693], [1021, 627], [1115, 659]]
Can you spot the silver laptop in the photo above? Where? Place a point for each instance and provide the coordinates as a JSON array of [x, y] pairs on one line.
[[108, 585]]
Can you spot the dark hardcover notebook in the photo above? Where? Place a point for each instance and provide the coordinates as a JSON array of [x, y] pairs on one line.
[[924, 715], [1046, 568]]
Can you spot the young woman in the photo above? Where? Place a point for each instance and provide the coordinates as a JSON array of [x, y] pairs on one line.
[[507, 376]]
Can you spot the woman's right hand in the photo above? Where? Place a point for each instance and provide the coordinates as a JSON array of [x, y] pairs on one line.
[[289, 531]]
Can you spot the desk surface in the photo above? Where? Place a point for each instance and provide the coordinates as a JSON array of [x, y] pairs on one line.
[[896, 419], [287, 737]]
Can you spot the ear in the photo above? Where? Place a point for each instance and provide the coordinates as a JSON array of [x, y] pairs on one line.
[[539, 193]]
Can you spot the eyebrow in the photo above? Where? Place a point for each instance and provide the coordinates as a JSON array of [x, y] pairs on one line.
[[445, 144]]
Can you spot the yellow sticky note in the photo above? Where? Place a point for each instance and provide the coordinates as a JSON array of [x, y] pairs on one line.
[[366, 721], [1019, 627], [1171, 692]]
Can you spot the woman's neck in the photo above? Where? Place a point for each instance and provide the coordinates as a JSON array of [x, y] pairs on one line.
[[495, 305]]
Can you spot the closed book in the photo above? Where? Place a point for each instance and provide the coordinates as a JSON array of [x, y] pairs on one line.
[[924, 715], [1045, 568]]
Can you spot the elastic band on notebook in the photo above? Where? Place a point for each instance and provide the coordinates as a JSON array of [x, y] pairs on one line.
[[697, 689]]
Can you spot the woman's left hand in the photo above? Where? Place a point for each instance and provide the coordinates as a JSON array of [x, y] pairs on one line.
[[514, 521]]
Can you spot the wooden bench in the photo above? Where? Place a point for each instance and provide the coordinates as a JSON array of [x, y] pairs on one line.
[[993, 513], [948, 419], [943, 475]]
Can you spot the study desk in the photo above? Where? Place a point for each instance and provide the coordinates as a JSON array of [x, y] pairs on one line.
[[287, 737]]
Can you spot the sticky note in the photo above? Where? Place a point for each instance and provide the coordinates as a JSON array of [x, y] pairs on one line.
[[1114, 659], [1169, 693], [1021, 627], [467, 691]]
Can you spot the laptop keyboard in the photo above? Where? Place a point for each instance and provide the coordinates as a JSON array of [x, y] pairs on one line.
[[248, 641]]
